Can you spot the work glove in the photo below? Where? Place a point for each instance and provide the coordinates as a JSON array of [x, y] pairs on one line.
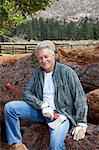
[[47, 111], [79, 131]]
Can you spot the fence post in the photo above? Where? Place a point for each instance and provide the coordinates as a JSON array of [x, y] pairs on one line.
[[71, 46], [12, 48], [0, 48], [25, 49]]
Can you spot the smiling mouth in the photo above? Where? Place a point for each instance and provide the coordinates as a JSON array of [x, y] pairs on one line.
[[45, 63]]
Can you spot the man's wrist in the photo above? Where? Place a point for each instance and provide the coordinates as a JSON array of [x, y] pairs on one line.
[[82, 124], [44, 105]]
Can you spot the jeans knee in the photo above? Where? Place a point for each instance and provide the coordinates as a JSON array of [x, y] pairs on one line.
[[7, 107]]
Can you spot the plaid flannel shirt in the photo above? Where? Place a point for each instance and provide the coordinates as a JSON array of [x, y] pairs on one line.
[[69, 98]]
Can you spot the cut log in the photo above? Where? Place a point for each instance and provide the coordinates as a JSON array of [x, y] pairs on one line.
[[93, 102]]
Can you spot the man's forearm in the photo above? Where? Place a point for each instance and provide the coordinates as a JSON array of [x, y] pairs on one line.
[[32, 99]]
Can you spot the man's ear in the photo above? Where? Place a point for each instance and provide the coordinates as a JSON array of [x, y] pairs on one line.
[[54, 54], [57, 58]]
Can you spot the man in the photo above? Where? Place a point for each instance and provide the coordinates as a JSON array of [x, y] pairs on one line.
[[53, 88]]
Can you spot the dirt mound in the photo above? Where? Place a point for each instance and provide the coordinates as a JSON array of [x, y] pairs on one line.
[[17, 69]]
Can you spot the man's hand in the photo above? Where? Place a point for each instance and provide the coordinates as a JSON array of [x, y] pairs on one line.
[[47, 110], [79, 131]]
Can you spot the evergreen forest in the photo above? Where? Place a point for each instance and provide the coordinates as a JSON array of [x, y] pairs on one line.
[[39, 29]]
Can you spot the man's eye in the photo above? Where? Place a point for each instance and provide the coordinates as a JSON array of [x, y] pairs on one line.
[[45, 56]]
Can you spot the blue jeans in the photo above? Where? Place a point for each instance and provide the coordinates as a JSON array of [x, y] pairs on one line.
[[16, 110]]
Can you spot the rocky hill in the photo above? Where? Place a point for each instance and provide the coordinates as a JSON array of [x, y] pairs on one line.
[[71, 10]]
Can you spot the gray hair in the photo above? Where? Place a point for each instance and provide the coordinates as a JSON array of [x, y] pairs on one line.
[[45, 44]]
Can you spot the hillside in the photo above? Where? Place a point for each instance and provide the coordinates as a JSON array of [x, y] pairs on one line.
[[71, 10]]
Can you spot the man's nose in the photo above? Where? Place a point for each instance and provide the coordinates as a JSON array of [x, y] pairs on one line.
[[43, 59]]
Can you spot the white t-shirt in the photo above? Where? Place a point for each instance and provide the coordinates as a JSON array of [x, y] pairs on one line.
[[49, 90]]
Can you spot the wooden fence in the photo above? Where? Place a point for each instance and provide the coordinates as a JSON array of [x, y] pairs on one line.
[[13, 47], [28, 47]]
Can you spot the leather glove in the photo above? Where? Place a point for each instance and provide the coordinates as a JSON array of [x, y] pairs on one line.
[[47, 111], [79, 131]]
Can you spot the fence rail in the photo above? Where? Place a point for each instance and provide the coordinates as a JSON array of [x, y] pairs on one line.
[[28, 47]]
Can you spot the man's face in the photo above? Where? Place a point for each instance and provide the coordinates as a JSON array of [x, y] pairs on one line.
[[46, 59]]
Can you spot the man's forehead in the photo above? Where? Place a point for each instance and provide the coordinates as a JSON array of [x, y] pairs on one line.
[[44, 51]]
